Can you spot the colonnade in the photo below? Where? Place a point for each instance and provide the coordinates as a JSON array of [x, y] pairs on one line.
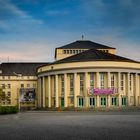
[[45, 89]]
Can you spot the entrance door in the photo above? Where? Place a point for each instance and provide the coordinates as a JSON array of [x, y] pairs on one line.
[[80, 101], [103, 101], [62, 102], [92, 101]]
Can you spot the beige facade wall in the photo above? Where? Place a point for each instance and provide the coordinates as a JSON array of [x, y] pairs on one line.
[[15, 86]]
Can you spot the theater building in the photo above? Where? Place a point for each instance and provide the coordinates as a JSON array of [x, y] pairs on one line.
[[87, 74]]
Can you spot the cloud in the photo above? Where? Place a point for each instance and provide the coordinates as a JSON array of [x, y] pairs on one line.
[[11, 15]]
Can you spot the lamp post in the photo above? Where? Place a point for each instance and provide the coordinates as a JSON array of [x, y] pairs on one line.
[[18, 97]]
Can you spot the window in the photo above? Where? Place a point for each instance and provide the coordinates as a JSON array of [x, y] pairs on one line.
[[62, 84], [9, 94], [92, 101], [8, 77], [102, 78], [114, 101], [3, 86], [9, 86], [103, 101], [80, 101], [3, 77], [130, 81], [64, 51], [73, 51], [124, 101], [71, 84], [22, 85], [80, 51], [70, 51], [67, 51], [34, 85], [81, 83], [122, 81], [28, 85], [112, 80], [91, 79], [76, 51]]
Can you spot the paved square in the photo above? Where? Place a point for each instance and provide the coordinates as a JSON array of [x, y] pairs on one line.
[[70, 126]]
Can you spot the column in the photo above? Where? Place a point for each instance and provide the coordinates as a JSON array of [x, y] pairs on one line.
[[43, 90], [65, 90], [49, 91], [86, 88], [136, 89], [109, 86], [56, 91], [98, 86], [119, 91], [75, 89], [128, 89], [39, 92]]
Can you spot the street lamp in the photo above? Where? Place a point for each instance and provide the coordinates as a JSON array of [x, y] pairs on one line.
[[18, 98]]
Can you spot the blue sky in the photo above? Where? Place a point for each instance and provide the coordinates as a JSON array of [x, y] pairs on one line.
[[31, 29]]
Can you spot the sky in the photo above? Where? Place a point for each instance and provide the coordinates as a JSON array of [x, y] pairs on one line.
[[30, 30]]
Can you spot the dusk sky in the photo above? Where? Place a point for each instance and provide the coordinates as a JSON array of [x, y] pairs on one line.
[[30, 30]]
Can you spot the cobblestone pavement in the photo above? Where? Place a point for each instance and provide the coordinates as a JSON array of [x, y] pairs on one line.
[[41, 125]]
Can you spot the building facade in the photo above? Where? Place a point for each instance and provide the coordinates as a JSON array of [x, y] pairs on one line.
[[85, 75]]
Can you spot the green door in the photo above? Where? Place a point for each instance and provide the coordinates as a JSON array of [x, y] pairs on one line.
[[62, 102], [103, 101]]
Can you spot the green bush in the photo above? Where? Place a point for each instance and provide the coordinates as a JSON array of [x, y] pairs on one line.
[[8, 109]]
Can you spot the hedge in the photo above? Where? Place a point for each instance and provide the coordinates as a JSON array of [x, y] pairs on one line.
[[8, 109]]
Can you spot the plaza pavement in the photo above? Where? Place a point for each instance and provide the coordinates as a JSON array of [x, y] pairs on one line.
[[70, 125]]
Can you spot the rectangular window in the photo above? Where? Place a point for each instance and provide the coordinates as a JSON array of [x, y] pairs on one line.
[[130, 81], [91, 79], [81, 83], [112, 80], [9, 86], [64, 51], [70, 51], [102, 79], [67, 51], [62, 84], [71, 84], [92, 101], [114, 101], [103, 101], [3, 86], [73, 51], [34, 85], [28, 85], [22, 85], [124, 101], [80, 101], [122, 81]]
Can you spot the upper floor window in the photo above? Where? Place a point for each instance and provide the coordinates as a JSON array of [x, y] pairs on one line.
[[91, 79], [64, 51], [62, 84], [67, 51], [81, 83], [122, 81], [71, 83], [22, 85], [9, 85], [112, 80], [102, 79]]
